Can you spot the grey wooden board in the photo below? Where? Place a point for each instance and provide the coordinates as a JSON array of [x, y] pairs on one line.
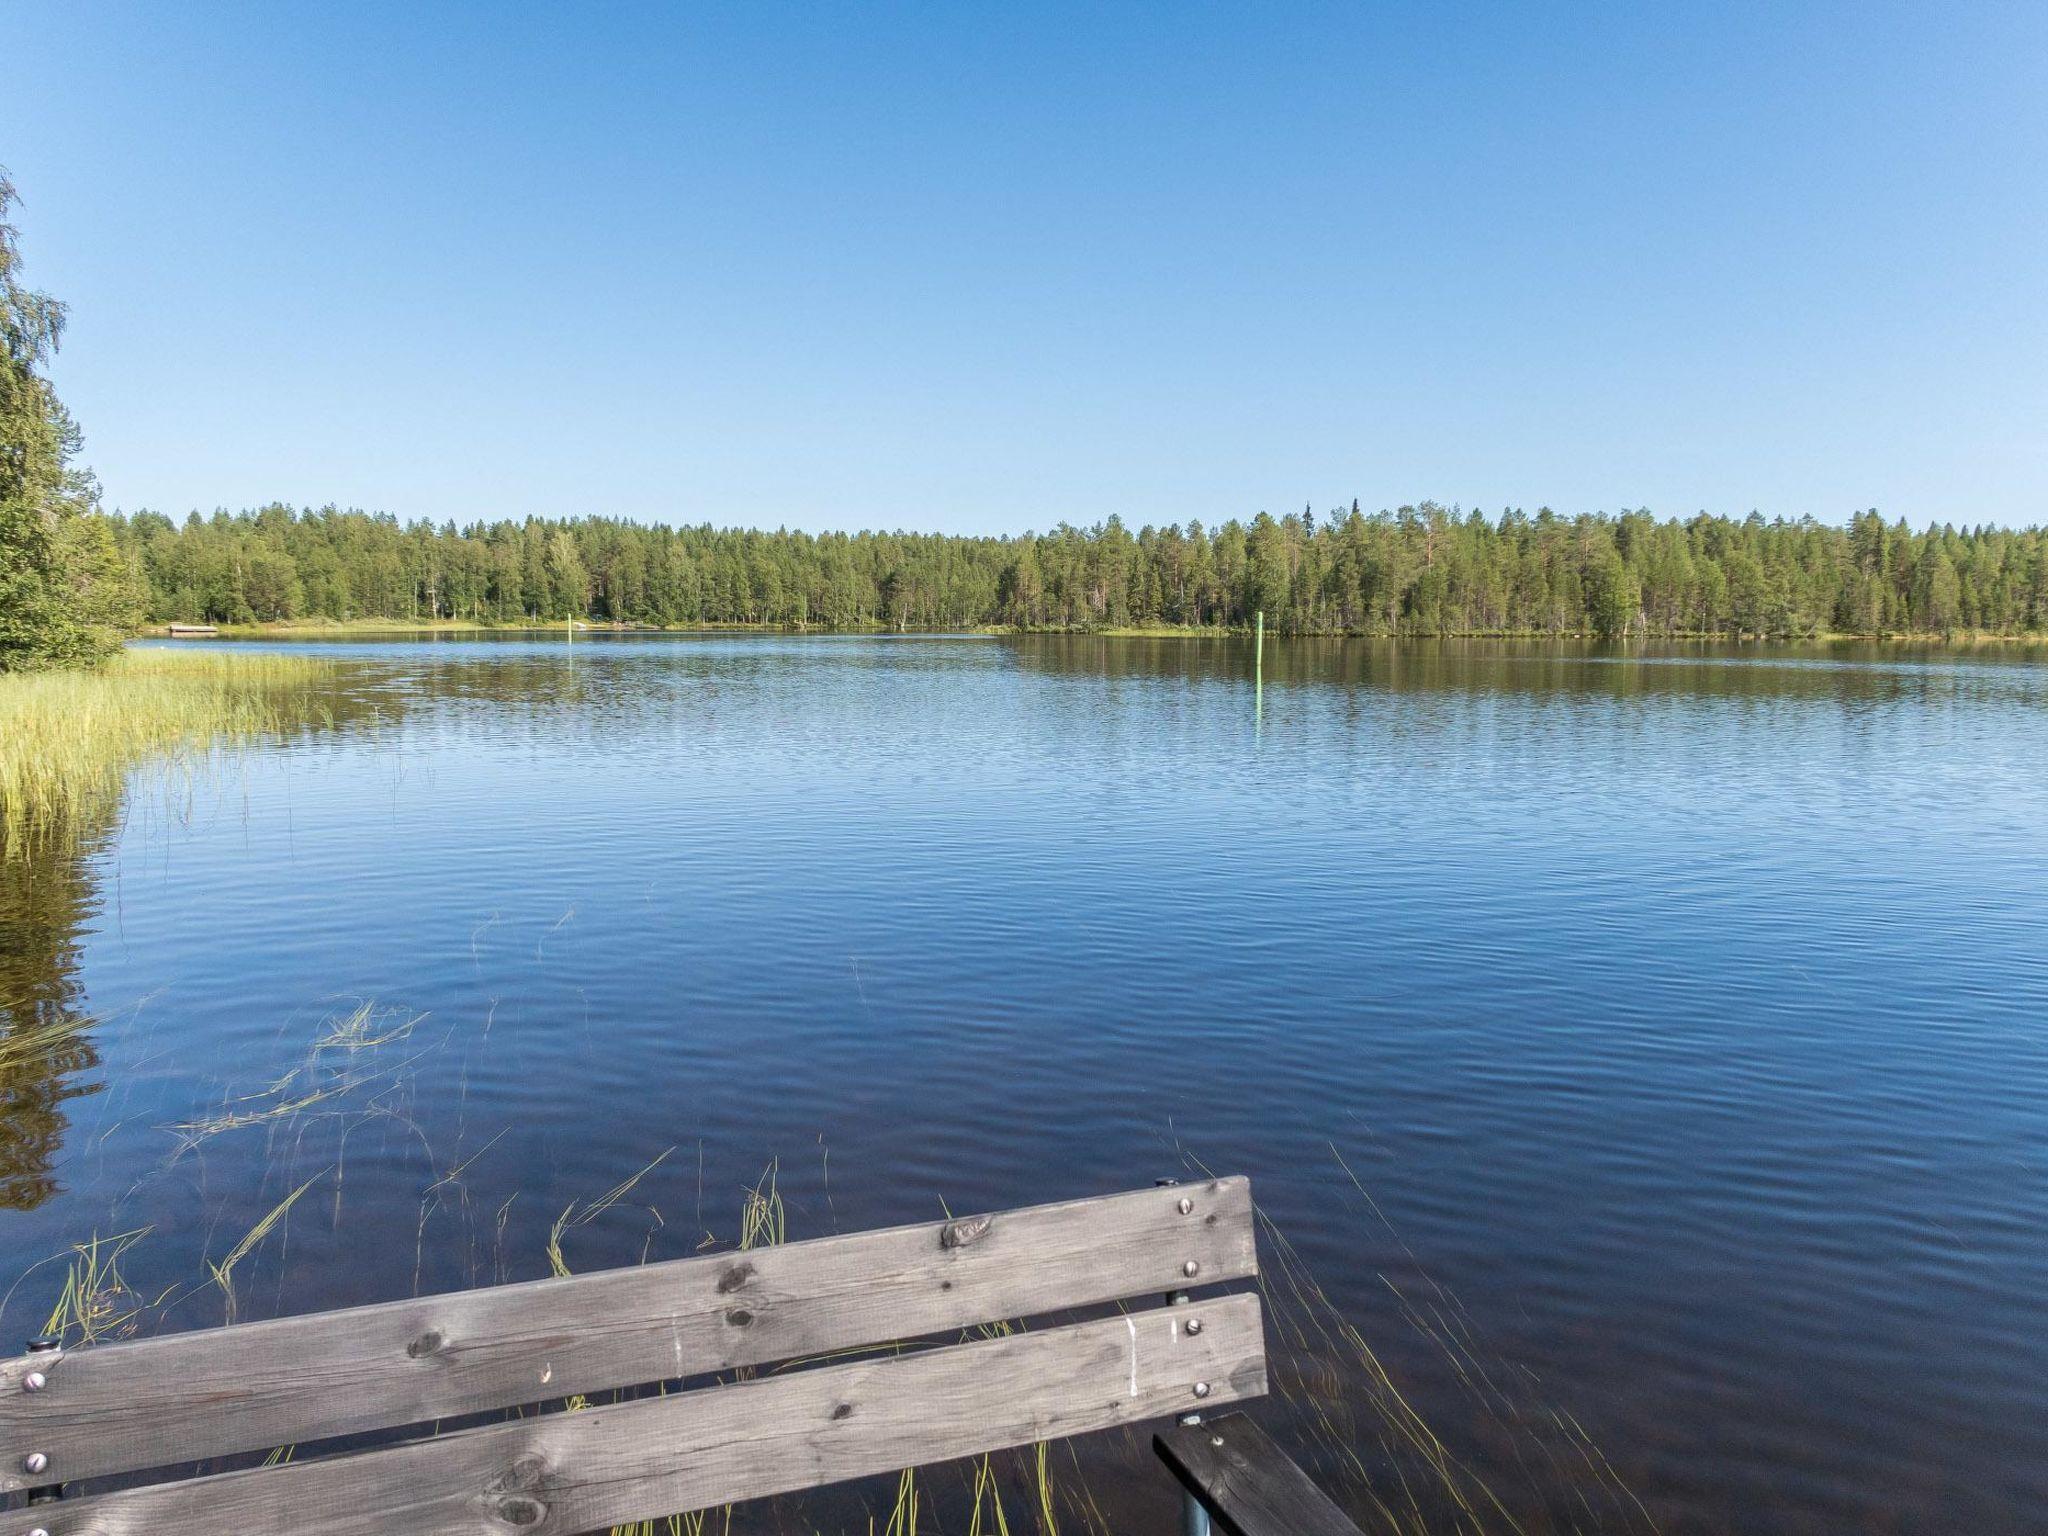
[[185, 1397], [566, 1472], [1250, 1485]]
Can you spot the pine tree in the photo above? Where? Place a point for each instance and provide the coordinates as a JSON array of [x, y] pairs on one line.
[[64, 593], [1937, 594]]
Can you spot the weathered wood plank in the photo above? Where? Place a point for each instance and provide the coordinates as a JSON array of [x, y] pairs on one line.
[[1250, 1485], [185, 1397], [567, 1472]]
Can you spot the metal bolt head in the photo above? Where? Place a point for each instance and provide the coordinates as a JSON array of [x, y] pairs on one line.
[[1201, 1389], [35, 1461], [34, 1381], [1216, 1440], [39, 1531], [1191, 1269], [1187, 1206], [1194, 1325]]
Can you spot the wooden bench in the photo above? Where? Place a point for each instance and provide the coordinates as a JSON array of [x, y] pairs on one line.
[[719, 1430]]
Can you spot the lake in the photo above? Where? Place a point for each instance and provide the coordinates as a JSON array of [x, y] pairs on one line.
[[1647, 1052]]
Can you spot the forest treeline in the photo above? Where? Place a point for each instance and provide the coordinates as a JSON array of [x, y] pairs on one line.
[[1426, 570]]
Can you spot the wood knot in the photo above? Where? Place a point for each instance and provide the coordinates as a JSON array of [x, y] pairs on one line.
[[739, 1317], [527, 1474], [843, 1411], [428, 1343], [735, 1276], [969, 1229], [520, 1510]]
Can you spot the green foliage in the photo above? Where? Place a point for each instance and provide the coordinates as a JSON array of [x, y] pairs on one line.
[[65, 595], [1423, 570]]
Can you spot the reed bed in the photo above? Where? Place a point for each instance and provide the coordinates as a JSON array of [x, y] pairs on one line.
[[69, 739]]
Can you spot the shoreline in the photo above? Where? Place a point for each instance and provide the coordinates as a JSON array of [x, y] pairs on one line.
[[372, 628]]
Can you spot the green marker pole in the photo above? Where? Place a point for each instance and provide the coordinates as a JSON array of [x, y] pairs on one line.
[[1259, 643]]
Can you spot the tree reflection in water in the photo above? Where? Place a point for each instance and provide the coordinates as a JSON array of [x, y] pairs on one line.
[[47, 1056]]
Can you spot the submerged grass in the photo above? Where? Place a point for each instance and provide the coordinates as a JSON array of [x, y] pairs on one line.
[[224, 1271], [28, 1049], [68, 739], [96, 1301]]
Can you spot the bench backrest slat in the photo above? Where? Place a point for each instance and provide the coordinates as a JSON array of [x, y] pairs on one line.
[[559, 1473], [186, 1397]]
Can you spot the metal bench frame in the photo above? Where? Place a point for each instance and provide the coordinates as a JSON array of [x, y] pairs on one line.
[[706, 1422]]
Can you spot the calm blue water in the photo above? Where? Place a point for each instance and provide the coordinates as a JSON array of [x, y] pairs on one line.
[[1656, 1041]]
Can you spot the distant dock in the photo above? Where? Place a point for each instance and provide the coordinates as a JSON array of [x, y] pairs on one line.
[[190, 631]]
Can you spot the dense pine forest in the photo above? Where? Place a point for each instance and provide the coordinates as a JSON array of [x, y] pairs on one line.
[[1425, 570]]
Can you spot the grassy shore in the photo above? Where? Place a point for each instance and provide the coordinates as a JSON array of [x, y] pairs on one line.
[[68, 739], [317, 629], [369, 628], [1954, 640], [284, 628]]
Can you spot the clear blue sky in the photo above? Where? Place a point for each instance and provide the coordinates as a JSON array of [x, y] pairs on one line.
[[976, 267]]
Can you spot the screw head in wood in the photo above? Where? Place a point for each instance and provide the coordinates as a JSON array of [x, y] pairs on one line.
[[1187, 1206], [34, 1381], [35, 1461], [39, 1531], [1201, 1389], [1191, 1269], [1194, 1325]]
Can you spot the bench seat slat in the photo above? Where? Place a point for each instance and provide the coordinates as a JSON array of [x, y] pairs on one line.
[[1249, 1485], [187, 1397], [561, 1473]]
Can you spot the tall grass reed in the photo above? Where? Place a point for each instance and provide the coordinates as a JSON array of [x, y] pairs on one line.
[[69, 739]]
